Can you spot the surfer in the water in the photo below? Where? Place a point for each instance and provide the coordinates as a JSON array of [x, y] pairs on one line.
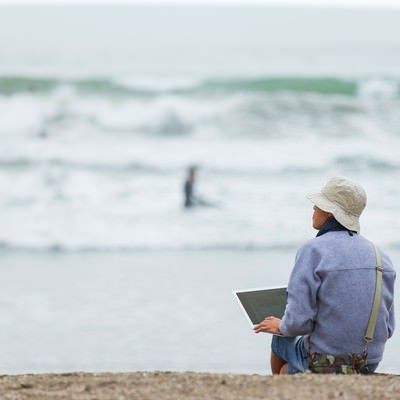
[[190, 199]]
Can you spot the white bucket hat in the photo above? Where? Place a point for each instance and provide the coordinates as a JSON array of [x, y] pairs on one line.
[[344, 199]]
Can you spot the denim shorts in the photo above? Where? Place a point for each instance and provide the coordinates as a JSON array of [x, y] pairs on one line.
[[293, 350]]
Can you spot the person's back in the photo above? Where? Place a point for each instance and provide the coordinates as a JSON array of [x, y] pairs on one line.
[[331, 293], [340, 271]]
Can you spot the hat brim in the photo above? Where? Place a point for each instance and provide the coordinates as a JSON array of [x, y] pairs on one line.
[[349, 221]]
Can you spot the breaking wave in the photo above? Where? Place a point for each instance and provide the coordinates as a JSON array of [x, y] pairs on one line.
[[139, 87], [98, 164]]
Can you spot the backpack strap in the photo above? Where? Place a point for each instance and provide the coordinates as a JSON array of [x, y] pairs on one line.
[[369, 333]]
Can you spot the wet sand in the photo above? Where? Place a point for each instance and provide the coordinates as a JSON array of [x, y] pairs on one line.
[[188, 385]]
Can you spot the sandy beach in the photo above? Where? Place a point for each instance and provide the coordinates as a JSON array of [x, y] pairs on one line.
[[171, 386]]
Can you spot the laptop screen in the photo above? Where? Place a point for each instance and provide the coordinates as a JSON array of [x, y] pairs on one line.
[[261, 303]]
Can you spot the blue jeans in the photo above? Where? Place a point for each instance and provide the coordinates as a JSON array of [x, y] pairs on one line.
[[293, 350]]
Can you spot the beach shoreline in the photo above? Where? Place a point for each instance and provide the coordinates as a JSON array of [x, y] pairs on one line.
[[114, 312], [189, 385]]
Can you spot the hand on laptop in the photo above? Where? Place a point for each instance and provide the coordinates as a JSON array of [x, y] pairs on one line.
[[269, 325]]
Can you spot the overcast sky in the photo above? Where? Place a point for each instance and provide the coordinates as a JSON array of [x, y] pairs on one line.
[[335, 3]]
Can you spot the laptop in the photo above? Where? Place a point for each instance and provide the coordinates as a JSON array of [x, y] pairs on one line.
[[258, 304]]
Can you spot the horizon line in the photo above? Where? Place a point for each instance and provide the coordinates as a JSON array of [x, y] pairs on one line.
[[326, 4]]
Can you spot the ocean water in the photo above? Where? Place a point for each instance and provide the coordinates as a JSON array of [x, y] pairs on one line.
[[76, 161], [103, 108]]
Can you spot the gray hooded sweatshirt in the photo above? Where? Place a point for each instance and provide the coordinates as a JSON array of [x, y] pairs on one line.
[[330, 295]]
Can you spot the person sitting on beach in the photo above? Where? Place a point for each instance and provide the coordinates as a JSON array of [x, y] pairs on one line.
[[331, 288]]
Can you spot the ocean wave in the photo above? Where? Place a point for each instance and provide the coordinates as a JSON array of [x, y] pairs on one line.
[[354, 162], [127, 167], [220, 110], [365, 162], [370, 86], [56, 248], [60, 248]]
